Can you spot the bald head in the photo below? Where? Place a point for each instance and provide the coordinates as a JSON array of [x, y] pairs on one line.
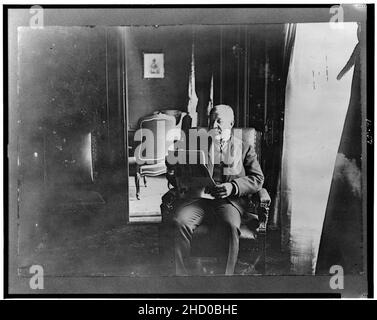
[[221, 119], [223, 110]]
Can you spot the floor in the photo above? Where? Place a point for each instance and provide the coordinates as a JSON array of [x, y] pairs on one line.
[[126, 251], [83, 240], [147, 209]]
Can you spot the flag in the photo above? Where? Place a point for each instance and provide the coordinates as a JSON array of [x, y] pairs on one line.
[[193, 98]]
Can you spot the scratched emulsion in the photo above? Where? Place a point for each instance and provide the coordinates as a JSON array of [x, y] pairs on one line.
[[316, 107]]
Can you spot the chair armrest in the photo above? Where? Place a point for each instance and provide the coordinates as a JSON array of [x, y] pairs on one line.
[[170, 174], [264, 197], [167, 204], [170, 177], [262, 200]]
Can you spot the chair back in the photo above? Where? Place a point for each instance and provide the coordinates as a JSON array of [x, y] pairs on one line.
[[154, 135], [183, 121], [178, 114], [250, 136]]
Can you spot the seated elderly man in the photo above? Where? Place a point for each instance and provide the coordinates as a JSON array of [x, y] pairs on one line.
[[234, 181]]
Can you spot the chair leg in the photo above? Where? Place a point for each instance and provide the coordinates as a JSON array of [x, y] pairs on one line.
[[166, 244], [261, 264], [137, 183], [145, 181]]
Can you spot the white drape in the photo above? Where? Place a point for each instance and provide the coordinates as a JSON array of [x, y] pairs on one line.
[[193, 98], [316, 106]]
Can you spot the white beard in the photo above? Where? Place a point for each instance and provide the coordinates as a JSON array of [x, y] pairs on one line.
[[224, 135]]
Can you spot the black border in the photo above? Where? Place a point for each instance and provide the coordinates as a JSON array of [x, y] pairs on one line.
[[5, 155], [370, 150], [370, 147]]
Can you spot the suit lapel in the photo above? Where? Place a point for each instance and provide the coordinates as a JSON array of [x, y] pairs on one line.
[[209, 164]]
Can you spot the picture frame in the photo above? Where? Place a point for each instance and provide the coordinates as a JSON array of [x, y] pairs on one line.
[[153, 65]]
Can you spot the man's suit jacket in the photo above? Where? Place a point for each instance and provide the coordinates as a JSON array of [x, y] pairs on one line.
[[244, 170]]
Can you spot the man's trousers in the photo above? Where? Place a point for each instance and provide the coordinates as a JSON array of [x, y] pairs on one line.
[[227, 220]]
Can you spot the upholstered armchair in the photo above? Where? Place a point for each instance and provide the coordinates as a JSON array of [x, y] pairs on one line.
[[253, 234]]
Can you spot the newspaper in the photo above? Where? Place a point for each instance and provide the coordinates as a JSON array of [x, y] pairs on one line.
[[193, 180]]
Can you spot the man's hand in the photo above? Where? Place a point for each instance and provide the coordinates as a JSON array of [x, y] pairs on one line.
[[222, 191]]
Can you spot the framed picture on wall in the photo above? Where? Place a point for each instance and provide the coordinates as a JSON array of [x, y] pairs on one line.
[[154, 65]]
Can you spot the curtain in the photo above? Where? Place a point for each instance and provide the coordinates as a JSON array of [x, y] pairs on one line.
[[342, 234], [207, 66], [316, 105], [289, 39]]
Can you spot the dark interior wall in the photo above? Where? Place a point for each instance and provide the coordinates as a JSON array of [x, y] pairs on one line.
[[144, 96], [69, 86], [62, 96], [245, 61]]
